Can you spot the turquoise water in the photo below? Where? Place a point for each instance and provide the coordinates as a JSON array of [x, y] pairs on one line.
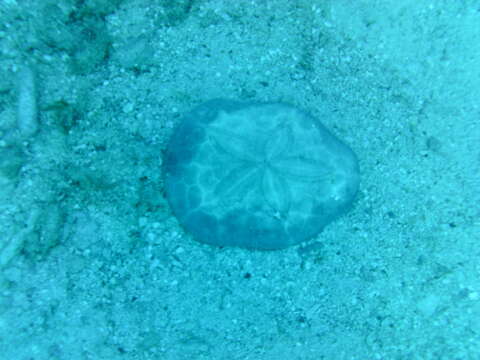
[[94, 264]]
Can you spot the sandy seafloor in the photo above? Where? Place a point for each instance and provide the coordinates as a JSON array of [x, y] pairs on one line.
[[100, 269]]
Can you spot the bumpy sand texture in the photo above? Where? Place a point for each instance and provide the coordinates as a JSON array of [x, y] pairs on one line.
[[261, 176]]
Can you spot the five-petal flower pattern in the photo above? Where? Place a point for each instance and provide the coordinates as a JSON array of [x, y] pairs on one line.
[[266, 165]]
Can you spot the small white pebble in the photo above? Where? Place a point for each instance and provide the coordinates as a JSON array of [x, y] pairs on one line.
[[473, 295], [428, 305], [127, 108], [179, 250], [142, 221]]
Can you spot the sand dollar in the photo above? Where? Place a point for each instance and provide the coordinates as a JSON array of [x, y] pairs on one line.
[[256, 175]]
